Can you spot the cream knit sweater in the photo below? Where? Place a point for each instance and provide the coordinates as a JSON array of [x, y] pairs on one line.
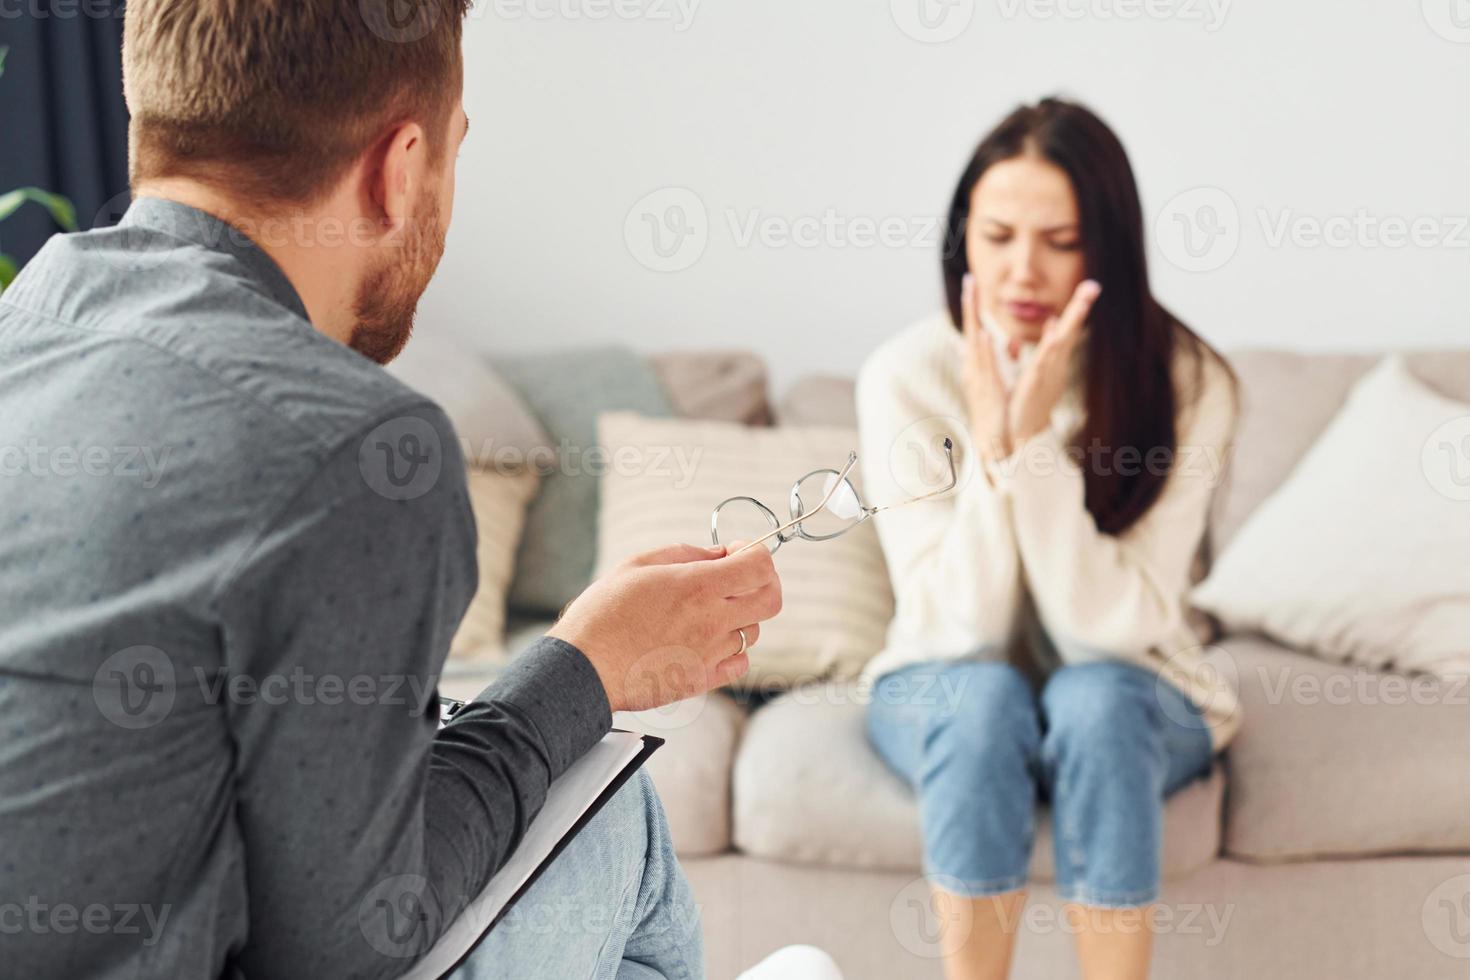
[[1011, 566]]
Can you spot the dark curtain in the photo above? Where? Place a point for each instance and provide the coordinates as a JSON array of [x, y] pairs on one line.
[[63, 125]]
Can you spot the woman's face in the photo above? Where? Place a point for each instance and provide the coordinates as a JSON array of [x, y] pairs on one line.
[[1024, 244]]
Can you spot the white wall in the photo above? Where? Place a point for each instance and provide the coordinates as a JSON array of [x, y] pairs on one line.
[[1308, 110]]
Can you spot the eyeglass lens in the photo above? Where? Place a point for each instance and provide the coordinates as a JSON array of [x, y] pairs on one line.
[[743, 519], [843, 508]]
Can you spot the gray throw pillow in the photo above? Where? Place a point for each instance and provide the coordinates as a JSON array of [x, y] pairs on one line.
[[566, 392]]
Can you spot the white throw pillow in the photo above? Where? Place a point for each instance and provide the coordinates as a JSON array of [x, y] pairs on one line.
[[495, 427], [499, 501], [1362, 555], [663, 478]]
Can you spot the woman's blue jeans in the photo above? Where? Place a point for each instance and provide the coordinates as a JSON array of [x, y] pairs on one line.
[[1105, 742]]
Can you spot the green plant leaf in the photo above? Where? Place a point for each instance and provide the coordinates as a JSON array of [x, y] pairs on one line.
[[7, 272], [4, 50], [62, 211]]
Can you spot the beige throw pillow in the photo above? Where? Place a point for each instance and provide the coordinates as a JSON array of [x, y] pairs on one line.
[[662, 479], [499, 500], [1360, 555]]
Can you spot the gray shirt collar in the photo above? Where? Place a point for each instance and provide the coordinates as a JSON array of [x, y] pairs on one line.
[[205, 230]]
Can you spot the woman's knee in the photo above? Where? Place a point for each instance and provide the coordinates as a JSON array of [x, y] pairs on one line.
[[979, 708], [1103, 707]]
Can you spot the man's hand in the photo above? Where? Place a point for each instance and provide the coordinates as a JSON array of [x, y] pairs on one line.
[[662, 626]]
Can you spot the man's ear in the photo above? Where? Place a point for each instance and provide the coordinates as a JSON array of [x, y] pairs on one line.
[[394, 178]]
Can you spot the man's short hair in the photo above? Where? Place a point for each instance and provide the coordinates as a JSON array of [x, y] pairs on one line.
[[274, 100]]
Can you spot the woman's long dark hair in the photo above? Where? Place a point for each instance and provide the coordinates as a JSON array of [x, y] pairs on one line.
[[1132, 339]]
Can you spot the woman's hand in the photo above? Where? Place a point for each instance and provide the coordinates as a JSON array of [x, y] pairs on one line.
[[985, 391], [1040, 386]]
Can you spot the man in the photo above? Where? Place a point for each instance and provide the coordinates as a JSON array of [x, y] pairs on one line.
[[235, 550]]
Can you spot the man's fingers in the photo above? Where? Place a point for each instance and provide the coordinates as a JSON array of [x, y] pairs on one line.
[[729, 646], [731, 662], [731, 669], [737, 573], [755, 606], [676, 554]]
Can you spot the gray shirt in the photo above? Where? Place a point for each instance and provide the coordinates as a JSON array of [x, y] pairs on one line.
[[232, 555]]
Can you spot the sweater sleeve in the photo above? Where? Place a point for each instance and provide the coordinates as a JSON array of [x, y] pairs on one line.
[[1105, 595], [952, 560]]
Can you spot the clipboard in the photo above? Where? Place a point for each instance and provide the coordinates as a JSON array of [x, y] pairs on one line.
[[572, 800]]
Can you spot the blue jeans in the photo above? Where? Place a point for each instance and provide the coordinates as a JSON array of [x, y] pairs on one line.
[[1104, 743], [613, 904]]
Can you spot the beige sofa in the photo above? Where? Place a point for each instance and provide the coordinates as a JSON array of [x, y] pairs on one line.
[[1332, 839]]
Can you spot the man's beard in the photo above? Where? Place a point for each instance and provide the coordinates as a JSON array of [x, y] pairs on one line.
[[389, 297]]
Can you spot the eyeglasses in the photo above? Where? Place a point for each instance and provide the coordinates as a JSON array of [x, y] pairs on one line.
[[838, 509]]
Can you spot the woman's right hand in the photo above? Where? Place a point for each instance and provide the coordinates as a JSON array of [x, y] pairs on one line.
[[985, 392]]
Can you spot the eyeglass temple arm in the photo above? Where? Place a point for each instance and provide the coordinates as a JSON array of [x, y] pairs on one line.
[[851, 462], [954, 480]]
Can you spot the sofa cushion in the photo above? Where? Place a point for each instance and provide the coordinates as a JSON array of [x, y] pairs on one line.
[[499, 503], [1287, 399], [1368, 501], [1338, 760], [819, 400], [809, 788], [669, 474], [722, 386], [488, 415], [566, 391], [691, 770]]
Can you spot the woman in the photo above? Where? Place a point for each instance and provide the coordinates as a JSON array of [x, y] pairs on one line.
[[1039, 647]]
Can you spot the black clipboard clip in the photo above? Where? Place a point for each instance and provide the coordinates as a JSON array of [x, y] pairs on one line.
[[448, 708]]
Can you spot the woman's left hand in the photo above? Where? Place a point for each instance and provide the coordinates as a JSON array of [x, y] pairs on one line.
[[1040, 386]]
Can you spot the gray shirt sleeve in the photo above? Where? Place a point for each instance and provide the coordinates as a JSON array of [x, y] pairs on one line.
[[366, 832]]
